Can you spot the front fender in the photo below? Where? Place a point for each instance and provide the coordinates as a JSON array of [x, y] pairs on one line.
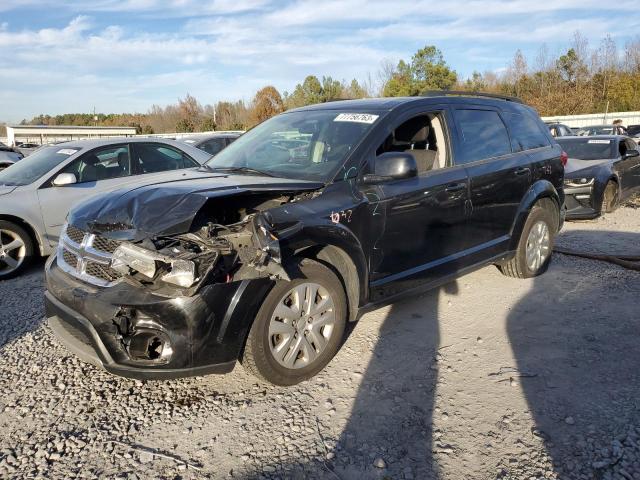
[[540, 189], [336, 235]]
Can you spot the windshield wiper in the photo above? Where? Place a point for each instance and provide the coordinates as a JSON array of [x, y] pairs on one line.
[[240, 170]]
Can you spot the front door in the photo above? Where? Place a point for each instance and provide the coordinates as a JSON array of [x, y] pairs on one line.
[[96, 171], [423, 216]]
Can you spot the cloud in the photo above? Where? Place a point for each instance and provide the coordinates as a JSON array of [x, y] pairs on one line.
[[126, 54]]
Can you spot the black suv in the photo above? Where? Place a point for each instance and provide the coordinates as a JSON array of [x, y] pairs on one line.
[[301, 225]]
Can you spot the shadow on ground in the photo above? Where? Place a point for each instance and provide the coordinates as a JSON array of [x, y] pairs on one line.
[[582, 343]]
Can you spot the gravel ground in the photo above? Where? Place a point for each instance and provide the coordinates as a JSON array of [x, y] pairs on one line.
[[488, 377]]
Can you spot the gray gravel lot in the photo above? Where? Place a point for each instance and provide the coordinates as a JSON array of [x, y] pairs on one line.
[[488, 377]]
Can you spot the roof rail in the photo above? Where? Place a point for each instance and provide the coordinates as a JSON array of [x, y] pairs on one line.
[[438, 93]]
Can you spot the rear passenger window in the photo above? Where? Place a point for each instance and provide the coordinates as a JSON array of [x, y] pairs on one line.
[[154, 157], [525, 132], [483, 135]]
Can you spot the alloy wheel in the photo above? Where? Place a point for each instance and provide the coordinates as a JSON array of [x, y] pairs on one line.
[[12, 252], [538, 245], [301, 325]]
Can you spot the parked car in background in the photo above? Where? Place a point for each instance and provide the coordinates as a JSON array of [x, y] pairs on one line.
[[37, 192], [559, 129], [602, 130], [8, 156], [27, 148], [634, 132], [211, 143], [266, 254], [601, 172]]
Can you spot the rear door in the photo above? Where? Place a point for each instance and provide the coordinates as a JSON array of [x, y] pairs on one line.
[[499, 177], [151, 157], [98, 170]]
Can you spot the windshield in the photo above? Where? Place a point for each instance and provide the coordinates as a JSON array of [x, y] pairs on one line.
[[36, 165], [306, 145], [598, 130], [588, 149]]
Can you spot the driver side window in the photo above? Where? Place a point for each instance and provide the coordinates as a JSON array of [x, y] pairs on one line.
[[101, 164], [424, 137]]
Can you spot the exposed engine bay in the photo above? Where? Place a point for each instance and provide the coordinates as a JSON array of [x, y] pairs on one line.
[[230, 239]]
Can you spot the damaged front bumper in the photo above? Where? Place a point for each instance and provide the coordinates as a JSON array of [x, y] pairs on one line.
[[132, 332]]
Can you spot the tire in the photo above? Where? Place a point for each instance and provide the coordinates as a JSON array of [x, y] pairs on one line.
[[610, 198], [14, 260], [263, 353], [544, 212]]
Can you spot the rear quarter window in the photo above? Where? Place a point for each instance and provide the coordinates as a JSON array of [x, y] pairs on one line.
[[483, 135], [526, 133]]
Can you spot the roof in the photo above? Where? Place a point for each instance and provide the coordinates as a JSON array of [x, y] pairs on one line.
[[99, 142], [207, 136], [591, 137], [389, 103]]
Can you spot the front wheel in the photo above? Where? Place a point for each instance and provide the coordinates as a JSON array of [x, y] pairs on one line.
[[610, 198], [536, 243], [16, 249], [299, 327]]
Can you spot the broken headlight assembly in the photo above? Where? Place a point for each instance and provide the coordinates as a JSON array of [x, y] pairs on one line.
[[578, 182], [128, 257]]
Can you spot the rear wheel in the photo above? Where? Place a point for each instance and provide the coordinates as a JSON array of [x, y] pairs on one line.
[[536, 243], [610, 197], [16, 249], [299, 327]]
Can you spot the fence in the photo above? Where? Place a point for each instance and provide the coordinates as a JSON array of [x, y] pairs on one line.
[[628, 118]]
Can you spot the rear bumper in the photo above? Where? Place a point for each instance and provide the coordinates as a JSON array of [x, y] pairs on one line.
[[105, 326]]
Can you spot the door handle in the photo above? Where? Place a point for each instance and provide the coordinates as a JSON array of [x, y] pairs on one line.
[[455, 187], [522, 171]]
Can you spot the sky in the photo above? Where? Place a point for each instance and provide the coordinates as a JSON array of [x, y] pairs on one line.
[[71, 56]]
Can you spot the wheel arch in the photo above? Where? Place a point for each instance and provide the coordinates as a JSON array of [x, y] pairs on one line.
[[28, 227], [338, 248], [542, 189], [342, 264]]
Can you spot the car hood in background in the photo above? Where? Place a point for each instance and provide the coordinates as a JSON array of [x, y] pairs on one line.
[[575, 165], [169, 207]]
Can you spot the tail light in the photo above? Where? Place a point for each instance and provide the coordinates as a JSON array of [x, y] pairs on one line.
[[564, 158]]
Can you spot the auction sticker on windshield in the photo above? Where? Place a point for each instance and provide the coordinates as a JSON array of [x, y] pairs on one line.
[[356, 117], [604, 142], [67, 151]]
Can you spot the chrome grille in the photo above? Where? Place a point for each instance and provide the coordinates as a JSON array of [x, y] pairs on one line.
[[87, 256], [70, 258], [105, 244], [102, 272], [74, 234]]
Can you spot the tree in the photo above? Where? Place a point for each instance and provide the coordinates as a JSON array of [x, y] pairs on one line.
[[190, 112], [266, 104], [208, 125], [427, 71]]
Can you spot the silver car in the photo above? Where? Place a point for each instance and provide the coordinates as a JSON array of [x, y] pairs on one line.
[[8, 156], [37, 193]]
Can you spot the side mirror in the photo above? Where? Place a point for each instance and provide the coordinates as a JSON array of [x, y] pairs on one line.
[[631, 153], [392, 166], [64, 179]]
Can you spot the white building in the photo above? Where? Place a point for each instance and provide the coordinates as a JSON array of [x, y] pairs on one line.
[[43, 134]]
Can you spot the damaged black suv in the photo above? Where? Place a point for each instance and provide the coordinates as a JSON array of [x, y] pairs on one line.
[[299, 226]]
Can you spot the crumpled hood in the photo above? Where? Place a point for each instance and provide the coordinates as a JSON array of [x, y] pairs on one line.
[[169, 207], [576, 168]]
